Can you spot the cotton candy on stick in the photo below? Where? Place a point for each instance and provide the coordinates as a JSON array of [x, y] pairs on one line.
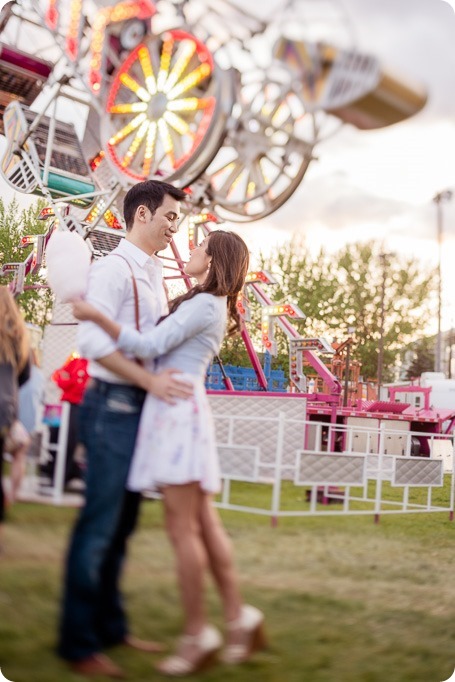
[[68, 260]]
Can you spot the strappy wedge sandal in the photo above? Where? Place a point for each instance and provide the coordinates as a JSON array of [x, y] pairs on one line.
[[207, 643], [251, 622]]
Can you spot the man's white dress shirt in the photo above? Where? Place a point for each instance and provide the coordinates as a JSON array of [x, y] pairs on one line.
[[110, 289]]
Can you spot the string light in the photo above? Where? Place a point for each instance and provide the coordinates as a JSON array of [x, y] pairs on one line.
[[52, 14], [96, 160], [28, 240], [123, 11], [46, 212], [109, 217], [74, 30], [288, 309], [259, 276], [319, 344]]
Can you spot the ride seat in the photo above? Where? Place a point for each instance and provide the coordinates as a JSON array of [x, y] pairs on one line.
[[349, 84], [23, 163], [22, 77]]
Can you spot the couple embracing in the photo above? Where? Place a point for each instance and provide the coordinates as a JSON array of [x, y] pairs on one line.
[[145, 423]]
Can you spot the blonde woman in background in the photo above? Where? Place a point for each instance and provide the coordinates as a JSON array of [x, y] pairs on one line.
[[14, 371], [22, 439]]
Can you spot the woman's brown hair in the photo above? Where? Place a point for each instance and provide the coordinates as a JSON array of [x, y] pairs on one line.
[[226, 274], [14, 346]]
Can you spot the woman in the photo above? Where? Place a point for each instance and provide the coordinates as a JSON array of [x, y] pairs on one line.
[[14, 371], [176, 453]]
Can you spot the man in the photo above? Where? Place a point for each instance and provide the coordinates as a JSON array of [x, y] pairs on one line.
[[127, 285]]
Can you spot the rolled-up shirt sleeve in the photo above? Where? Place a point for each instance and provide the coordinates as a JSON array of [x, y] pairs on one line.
[[106, 292], [190, 318]]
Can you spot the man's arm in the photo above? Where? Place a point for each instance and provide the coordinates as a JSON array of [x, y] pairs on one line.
[[164, 385]]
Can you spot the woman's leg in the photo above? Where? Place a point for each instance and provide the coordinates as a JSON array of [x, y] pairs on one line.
[[220, 556], [181, 506], [17, 470], [201, 642], [244, 624]]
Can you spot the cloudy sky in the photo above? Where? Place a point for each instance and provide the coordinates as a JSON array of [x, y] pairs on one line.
[[379, 184]]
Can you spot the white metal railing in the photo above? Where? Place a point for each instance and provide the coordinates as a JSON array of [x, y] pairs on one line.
[[33, 488], [345, 482], [281, 454]]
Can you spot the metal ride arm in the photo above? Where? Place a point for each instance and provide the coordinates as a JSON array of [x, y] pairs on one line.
[[31, 264], [220, 22], [262, 381], [292, 333], [323, 372]]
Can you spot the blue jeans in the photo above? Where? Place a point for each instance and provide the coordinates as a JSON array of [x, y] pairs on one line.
[[93, 616]]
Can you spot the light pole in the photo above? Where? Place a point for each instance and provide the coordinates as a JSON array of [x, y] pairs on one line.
[[383, 257], [445, 195], [449, 368], [351, 330]]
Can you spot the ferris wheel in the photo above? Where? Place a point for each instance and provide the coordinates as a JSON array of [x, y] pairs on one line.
[[179, 103], [200, 93]]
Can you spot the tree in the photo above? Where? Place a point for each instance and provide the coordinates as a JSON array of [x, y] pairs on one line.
[[15, 223], [344, 290], [233, 352], [423, 360]]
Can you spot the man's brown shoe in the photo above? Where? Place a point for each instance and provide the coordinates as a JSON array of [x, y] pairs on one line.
[[142, 645], [97, 664]]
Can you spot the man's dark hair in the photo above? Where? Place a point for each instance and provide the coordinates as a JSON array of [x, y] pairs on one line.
[[150, 193]]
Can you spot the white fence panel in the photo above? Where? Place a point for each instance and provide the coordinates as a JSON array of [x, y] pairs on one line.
[[252, 431], [268, 449], [330, 469]]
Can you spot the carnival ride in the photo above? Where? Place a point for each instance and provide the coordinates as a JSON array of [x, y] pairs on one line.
[[203, 94]]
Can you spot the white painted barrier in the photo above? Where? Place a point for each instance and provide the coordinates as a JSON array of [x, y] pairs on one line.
[[269, 447]]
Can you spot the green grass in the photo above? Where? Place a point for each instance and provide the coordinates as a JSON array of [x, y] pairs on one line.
[[346, 600]]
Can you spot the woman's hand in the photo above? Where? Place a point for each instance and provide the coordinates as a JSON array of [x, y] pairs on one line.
[[85, 311]]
